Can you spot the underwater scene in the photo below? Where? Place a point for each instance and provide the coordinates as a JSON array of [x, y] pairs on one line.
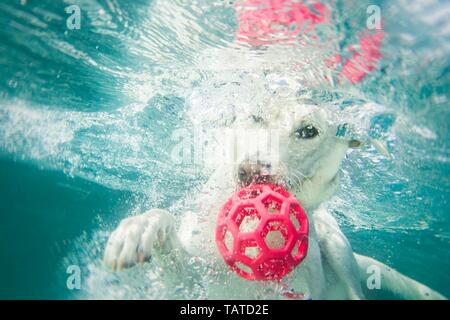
[[258, 149]]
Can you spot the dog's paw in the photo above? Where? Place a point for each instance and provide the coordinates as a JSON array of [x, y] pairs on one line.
[[137, 238]]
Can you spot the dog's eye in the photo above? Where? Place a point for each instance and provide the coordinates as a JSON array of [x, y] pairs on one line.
[[306, 132], [257, 119]]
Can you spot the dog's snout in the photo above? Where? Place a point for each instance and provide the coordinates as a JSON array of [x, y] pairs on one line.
[[249, 172]]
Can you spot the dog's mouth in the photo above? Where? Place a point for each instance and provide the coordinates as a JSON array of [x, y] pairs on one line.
[[258, 173], [262, 179]]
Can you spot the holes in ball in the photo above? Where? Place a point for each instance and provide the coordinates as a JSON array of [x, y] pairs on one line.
[[251, 252], [294, 251], [294, 220], [244, 268], [294, 211], [299, 249], [249, 223], [275, 235], [228, 240], [250, 249], [272, 204], [247, 218], [275, 240]]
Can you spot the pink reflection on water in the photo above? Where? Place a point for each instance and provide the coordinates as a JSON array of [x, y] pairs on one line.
[[265, 22]]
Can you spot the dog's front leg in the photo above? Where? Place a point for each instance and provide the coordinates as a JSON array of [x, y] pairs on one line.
[[338, 253], [141, 237]]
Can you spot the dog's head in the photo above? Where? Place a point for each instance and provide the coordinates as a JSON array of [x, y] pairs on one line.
[[284, 143]]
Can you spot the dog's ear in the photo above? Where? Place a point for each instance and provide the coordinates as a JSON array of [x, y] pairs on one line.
[[382, 148], [344, 132], [378, 144], [355, 143]]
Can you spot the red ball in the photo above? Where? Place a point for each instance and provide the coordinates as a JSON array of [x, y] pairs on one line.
[[262, 232]]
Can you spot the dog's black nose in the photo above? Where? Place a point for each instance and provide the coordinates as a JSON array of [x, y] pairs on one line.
[[251, 172]]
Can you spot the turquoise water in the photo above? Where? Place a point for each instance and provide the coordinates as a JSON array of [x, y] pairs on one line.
[[86, 118]]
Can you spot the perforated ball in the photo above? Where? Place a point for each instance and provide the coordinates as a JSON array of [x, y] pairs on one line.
[[262, 232]]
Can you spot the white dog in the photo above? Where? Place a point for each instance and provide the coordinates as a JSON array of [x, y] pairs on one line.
[[301, 151], [281, 141]]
